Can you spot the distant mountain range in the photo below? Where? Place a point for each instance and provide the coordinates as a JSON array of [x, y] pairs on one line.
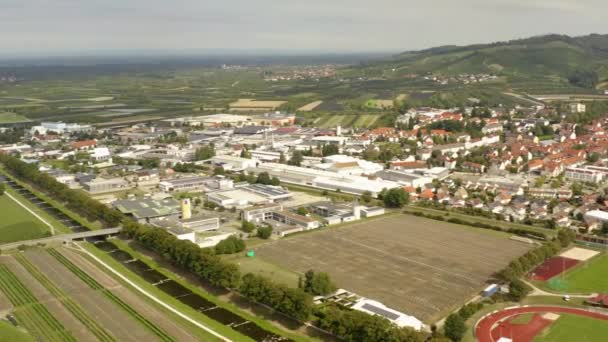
[[581, 61]]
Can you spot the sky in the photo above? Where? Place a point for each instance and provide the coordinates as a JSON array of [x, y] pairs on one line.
[[73, 27]]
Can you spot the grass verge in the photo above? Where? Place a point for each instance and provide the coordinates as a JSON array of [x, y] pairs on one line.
[[226, 305], [43, 196]]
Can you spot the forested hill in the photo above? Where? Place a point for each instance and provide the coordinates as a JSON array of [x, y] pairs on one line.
[[581, 61]]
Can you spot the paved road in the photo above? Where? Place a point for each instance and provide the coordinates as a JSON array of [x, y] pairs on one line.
[[483, 329], [538, 292]]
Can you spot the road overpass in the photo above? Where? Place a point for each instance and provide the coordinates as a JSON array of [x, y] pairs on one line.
[[62, 238]]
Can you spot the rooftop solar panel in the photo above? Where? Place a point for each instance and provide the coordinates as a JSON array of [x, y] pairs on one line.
[[380, 311]]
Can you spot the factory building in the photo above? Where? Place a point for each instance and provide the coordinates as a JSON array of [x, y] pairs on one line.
[[324, 179]]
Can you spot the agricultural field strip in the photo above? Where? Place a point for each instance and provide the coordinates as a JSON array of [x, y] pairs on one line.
[[69, 304], [33, 315], [96, 286], [122, 326], [173, 326], [167, 306]]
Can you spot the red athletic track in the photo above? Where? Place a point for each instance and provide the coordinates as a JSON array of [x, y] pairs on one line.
[[484, 327], [520, 332], [552, 267]]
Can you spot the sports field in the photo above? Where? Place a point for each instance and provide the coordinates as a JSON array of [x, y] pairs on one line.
[[17, 224], [590, 276], [552, 267], [543, 324], [569, 328], [415, 265]]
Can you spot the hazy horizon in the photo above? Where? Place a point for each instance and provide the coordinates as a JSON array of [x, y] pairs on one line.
[[73, 27]]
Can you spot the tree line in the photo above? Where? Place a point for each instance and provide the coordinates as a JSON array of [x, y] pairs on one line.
[[352, 325], [526, 262], [77, 201]]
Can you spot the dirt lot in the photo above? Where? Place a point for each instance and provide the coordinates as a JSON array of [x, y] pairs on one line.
[[310, 107], [419, 266]]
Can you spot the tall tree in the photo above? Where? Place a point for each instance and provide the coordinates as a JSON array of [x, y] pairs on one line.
[[204, 153]]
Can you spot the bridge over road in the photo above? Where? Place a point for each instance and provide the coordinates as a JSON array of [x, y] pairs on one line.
[[62, 238]]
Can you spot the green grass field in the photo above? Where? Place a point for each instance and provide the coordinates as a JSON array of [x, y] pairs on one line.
[[569, 328], [18, 224], [9, 333], [522, 319], [258, 266], [589, 277], [8, 117]]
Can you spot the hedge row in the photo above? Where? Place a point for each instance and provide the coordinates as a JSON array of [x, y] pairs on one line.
[[515, 231]]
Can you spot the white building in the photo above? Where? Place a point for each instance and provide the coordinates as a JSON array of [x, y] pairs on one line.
[[214, 120], [346, 165], [327, 139], [195, 183], [233, 163], [577, 107], [267, 156], [100, 154], [400, 319], [59, 128], [595, 218], [583, 175], [183, 234]]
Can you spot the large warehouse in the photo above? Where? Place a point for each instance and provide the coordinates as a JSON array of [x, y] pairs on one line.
[[324, 179]]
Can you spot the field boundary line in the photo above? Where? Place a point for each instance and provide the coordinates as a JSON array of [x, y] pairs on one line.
[[31, 212], [149, 295]]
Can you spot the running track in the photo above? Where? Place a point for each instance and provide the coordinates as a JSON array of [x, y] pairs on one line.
[[483, 330]]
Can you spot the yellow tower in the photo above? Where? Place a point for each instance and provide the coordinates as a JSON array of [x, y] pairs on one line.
[[186, 209]]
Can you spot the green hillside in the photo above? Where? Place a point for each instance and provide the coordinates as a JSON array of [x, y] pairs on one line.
[[538, 62]]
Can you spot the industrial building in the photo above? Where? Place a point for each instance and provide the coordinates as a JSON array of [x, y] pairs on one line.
[[233, 163], [195, 183], [244, 196], [260, 214], [144, 210], [101, 185], [324, 179], [340, 213], [347, 165], [405, 177]]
